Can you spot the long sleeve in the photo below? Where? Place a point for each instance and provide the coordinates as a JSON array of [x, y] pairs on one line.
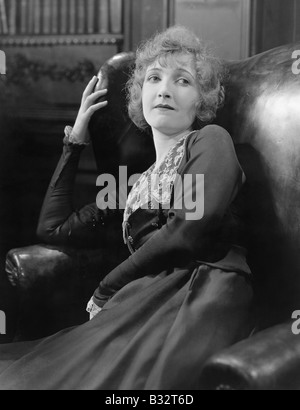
[[181, 240], [59, 222]]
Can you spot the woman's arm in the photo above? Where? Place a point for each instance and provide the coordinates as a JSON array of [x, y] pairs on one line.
[[59, 223], [181, 240]]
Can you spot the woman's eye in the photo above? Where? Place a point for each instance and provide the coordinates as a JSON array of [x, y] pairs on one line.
[[153, 78], [183, 81]]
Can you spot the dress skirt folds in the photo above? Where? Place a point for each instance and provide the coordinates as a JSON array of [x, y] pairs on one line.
[[167, 312], [155, 333]]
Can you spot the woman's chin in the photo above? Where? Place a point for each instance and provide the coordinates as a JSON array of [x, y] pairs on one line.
[[165, 127], [169, 131]]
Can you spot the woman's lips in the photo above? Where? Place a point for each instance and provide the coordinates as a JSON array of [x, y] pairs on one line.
[[164, 107]]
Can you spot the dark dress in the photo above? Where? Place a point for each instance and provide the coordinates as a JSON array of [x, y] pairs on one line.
[[183, 294]]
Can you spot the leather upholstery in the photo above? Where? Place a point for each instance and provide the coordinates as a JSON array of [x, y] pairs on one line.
[[268, 361], [53, 285], [49, 263], [262, 115]]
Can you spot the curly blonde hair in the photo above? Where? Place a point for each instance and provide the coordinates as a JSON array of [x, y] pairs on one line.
[[210, 73]]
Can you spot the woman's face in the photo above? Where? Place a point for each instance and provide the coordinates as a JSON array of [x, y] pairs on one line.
[[170, 95]]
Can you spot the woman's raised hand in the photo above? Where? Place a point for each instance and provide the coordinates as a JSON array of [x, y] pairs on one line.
[[87, 109]]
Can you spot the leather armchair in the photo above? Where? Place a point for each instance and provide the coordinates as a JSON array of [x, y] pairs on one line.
[[53, 286], [54, 283], [270, 360], [261, 113]]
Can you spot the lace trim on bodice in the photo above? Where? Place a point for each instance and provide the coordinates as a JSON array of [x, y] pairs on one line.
[[154, 187]]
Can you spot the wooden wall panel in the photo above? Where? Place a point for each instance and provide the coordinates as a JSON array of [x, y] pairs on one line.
[[224, 23], [274, 23], [143, 18]]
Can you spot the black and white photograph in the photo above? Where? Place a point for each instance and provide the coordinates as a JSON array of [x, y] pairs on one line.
[[149, 197]]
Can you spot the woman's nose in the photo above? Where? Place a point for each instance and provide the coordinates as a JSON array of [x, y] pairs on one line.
[[164, 91], [164, 94]]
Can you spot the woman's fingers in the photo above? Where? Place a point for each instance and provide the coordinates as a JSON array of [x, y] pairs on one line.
[[96, 95], [89, 99], [92, 99], [89, 88], [96, 107]]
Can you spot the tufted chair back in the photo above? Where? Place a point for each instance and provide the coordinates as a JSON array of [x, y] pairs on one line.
[[262, 114]]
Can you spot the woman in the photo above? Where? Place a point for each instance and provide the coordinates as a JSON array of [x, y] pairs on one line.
[[185, 292]]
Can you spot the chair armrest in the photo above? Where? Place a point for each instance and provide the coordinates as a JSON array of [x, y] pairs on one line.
[[54, 285], [270, 360], [27, 267]]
